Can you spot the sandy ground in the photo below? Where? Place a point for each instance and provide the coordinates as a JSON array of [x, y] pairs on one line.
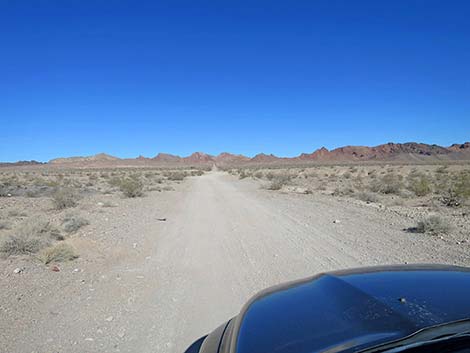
[[147, 285]]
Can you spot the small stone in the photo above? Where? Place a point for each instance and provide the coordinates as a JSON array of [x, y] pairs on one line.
[[140, 277], [109, 318], [134, 245], [336, 221], [100, 204], [55, 268], [17, 270], [89, 339]]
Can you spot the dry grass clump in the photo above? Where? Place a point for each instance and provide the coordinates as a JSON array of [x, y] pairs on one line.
[[433, 225], [131, 187], [58, 253], [64, 198], [30, 237], [71, 223]]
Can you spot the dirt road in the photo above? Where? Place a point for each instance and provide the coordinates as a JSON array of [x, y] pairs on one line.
[[158, 285]]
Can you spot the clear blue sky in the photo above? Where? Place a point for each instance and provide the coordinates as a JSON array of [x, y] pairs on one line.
[[283, 77]]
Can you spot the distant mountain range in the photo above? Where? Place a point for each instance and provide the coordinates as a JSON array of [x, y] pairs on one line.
[[400, 152]]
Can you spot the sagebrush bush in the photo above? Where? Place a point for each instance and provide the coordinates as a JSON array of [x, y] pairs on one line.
[[433, 225], [58, 253], [71, 223], [131, 187], [64, 198]]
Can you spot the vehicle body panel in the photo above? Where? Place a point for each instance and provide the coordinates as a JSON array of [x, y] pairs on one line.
[[348, 311]]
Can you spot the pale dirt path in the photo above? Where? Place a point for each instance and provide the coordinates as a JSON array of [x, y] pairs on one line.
[[223, 241]]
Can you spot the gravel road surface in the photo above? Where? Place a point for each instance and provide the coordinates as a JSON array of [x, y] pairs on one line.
[[155, 285]]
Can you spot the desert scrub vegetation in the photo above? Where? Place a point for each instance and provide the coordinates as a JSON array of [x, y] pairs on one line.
[[390, 183], [30, 237], [367, 196], [433, 225], [71, 223], [176, 176], [4, 225], [131, 187], [58, 253], [419, 184], [279, 181], [64, 198]]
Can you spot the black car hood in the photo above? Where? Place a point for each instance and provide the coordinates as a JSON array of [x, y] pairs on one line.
[[352, 310]]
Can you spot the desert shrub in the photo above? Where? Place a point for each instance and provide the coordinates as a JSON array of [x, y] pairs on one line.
[[115, 181], [388, 184], [16, 213], [420, 185], [367, 196], [64, 198], [30, 237], [270, 175], [258, 174], [197, 172], [58, 253], [442, 169], [462, 185], [433, 225], [176, 176], [345, 191], [279, 181], [131, 187], [71, 223], [455, 189], [242, 175], [20, 244], [4, 225]]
